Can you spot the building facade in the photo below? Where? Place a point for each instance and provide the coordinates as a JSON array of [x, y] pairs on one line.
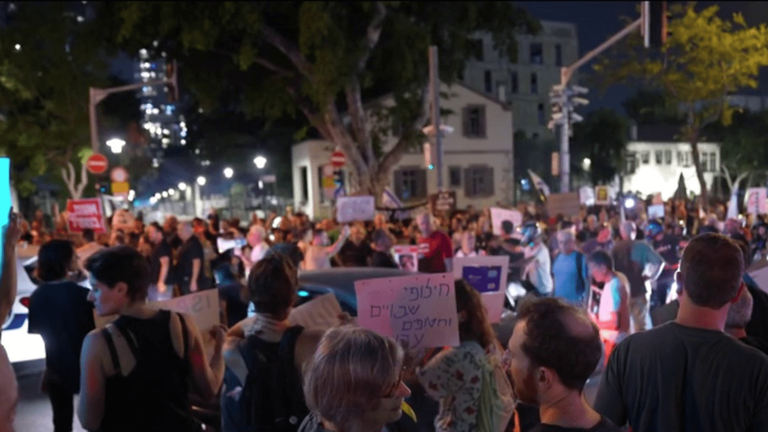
[[526, 83], [655, 160], [477, 159]]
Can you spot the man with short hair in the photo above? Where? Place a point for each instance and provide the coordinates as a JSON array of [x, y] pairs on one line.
[[189, 266], [609, 305], [738, 317], [159, 265], [688, 374], [569, 270], [553, 351], [603, 241]]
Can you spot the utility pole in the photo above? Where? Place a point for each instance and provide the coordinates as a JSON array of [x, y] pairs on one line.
[[97, 95], [434, 84]]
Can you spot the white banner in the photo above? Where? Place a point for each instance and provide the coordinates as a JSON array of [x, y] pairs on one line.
[[355, 208]]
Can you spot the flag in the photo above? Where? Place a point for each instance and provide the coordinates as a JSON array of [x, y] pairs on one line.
[[540, 184], [390, 200]]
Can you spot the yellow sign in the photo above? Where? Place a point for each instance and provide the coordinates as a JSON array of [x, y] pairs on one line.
[[120, 188]]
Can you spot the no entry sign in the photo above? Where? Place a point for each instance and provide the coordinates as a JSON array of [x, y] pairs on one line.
[[338, 159], [97, 164]]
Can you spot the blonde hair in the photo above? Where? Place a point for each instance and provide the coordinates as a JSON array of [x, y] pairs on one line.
[[350, 371]]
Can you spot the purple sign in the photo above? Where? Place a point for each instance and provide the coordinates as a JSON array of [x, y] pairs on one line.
[[485, 279]]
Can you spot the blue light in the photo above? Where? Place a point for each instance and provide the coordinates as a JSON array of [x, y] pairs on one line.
[[303, 293], [431, 166]]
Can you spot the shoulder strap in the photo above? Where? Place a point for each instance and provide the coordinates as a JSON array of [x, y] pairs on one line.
[[130, 339], [184, 335], [287, 349], [112, 350]]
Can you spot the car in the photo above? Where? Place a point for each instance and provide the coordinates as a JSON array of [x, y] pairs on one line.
[[19, 344]]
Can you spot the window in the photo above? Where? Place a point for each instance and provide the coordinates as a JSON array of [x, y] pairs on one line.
[[645, 157], [514, 83], [477, 50], [478, 181], [668, 157], [534, 83], [411, 183], [713, 162], [659, 157], [537, 53], [683, 159], [304, 184], [558, 55], [473, 121], [703, 161], [454, 176], [488, 84], [631, 163], [540, 112]]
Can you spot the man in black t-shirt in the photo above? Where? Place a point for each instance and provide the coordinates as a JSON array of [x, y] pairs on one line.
[[738, 316], [382, 243], [161, 276], [688, 374], [356, 251], [189, 266], [554, 349]]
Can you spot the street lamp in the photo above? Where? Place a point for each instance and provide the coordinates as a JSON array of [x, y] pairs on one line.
[[228, 172], [260, 162], [171, 191], [157, 196], [182, 186], [165, 194], [116, 144], [201, 181]]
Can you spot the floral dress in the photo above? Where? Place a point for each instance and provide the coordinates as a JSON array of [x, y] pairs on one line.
[[453, 378]]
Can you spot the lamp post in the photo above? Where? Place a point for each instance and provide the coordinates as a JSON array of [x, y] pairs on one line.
[[261, 162], [116, 145], [200, 182]]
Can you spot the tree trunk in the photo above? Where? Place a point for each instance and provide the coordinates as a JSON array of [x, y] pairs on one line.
[[704, 196]]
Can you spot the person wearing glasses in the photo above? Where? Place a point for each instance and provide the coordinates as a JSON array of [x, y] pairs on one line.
[[354, 382]]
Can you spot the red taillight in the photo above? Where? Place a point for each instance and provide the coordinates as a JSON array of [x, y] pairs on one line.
[[25, 302]]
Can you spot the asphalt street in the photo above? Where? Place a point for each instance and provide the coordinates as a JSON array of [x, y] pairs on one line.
[[33, 414]]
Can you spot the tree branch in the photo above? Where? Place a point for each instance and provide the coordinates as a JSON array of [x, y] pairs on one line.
[[273, 67], [314, 117], [372, 34], [390, 159], [289, 49]]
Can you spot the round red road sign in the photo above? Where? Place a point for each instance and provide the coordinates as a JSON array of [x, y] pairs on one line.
[[97, 164], [338, 159]]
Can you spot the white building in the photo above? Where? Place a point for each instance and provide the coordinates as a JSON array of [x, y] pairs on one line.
[[655, 160], [527, 82], [477, 161]]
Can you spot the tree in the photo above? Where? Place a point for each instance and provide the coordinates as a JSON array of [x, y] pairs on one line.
[[323, 59], [648, 107], [50, 60], [704, 59], [602, 137]]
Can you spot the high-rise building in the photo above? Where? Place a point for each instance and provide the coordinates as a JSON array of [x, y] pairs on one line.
[[527, 82], [165, 126]]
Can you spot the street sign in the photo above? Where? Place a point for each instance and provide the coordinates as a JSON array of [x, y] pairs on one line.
[[120, 189], [338, 159], [118, 175], [97, 164]]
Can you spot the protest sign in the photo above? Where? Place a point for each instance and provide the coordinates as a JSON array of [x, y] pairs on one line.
[[656, 211], [321, 313], [756, 201], [85, 214], [566, 204], [418, 311], [355, 208], [407, 257], [488, 275], [443, 201], [499, 215], [602, 195]]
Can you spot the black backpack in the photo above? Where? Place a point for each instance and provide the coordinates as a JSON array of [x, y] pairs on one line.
[[263, 388]]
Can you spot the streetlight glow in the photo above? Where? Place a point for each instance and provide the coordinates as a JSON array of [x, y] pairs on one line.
[[201, 181], [182, 186], [228, 172], [157, 196], [116, 144], [165, 194], [171, 191], [260, 162]]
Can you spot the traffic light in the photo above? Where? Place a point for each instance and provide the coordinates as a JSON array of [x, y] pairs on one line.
[[654, 28], [102, 188], [171, 82], [564, 102]]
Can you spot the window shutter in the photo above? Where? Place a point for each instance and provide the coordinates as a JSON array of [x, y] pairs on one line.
[[465, 121], [421, 183], [488, 181], [468, 182], [481, 110], [399, 184]]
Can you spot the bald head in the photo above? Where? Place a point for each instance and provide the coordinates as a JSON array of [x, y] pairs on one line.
[[740, 312]]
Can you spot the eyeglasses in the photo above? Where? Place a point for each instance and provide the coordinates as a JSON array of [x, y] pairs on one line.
[[392, 390]]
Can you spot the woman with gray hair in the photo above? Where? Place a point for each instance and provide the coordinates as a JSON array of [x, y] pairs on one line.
[[354, 382]]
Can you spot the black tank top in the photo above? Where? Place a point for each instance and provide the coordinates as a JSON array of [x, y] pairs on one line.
[[154, 395]]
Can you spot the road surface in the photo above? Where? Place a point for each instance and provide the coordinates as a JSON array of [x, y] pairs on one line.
[[33, 413]]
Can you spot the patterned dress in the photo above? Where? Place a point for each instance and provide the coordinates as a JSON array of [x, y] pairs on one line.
[[453, 378]]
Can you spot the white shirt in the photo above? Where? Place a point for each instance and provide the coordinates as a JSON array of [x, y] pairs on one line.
[[316, 258], [539, 271], [9, 393]]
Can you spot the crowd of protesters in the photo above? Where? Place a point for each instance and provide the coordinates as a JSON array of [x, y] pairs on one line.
[[679, 323]]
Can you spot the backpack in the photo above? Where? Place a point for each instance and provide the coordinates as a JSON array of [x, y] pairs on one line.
[[497, 401], [262, 386], [581, 285]]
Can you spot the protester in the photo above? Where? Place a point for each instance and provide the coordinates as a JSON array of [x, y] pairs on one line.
[[435, 247], [676, 376], [382, 244], [9, 394], [233, 308], [60, 313], [537, 277], [610, 305], [603, 241], [454, 377], [553, 351], [161, 276], [570, 275], [468, 248], [318, 255], [259, 247], [137, 370], [356, 252], [89, 247], [667, 247], [739, 315], [354, 382], [190, 276], [264, 355]]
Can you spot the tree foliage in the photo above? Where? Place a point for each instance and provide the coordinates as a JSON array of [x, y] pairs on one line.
[[321, 60], [704, 59], [743, 150], [602, 137], [649, 107]]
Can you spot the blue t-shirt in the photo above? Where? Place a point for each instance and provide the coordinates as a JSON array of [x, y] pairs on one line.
[[566, 278]]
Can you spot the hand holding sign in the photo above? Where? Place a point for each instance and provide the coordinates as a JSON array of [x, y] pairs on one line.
[[356, 208]]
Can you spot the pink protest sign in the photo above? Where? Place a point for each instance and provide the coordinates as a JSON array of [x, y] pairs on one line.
[[418, 311]]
